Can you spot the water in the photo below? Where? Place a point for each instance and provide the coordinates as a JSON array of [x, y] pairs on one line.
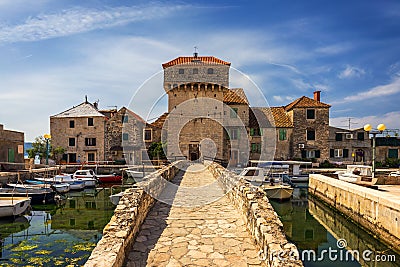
[[62, 235], [313, 226]]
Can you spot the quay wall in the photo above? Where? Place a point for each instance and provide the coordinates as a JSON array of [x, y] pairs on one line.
[[371, 209], [132, 209], [260, 218]]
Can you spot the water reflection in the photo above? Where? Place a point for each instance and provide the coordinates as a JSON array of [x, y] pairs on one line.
[[311, 225], [57, 235]]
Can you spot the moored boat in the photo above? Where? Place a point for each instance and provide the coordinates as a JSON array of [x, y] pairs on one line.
[[82, 175], [59, 179], [278, 191], [105, 178], [59, 187], [358, 174], [395, 174], [13, 206], [37, 195]]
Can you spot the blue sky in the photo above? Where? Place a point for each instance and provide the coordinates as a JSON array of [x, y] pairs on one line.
[[53, 53]]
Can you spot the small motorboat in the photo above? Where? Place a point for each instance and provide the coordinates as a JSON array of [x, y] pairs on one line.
[[13, 206], [58, 187], [105, 178], [67, 179], [280, 191], [38, 195], [358, 174], [301, 178], [395, 174], [87, 176]]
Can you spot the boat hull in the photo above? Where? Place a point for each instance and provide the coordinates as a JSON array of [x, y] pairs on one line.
[[38, 196], [359, 180], [109, 178], [13, 206], [280, 192]]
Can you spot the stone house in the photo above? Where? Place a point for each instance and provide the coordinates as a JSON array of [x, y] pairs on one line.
[[80, 131], [387, 148], [124, 137], [310, 118], [349, 146], [11, 146]]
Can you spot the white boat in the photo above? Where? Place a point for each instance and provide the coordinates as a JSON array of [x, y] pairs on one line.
[[291, 167], [64, 178], [257, 176], [134, 174], [395, 174], [105, 178], [60, 187], [358, 174], [86, 176], [116, 197], [13, 206], [273, 186]]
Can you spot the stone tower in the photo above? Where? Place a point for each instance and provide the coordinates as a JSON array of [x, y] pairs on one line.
[[196, 87]]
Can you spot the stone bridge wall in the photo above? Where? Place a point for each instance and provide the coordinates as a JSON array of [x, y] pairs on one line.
[[120, 232], [261, 220]]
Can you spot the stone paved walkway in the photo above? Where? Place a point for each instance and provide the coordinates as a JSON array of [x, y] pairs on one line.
[[207, 235]]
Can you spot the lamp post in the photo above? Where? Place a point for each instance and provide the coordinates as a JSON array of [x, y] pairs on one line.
[[379, 129], [47, 137]]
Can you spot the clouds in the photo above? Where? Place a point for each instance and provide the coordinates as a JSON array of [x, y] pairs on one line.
[[79, 20], [379, 91], [351, 72], [390, 119]]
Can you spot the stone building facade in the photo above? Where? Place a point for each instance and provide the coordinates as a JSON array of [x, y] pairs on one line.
[[80, 131], [11, 146], [124, 137], [349, 146], [388, 149]]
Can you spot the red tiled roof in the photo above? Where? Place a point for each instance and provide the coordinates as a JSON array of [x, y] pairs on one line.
[[306, 102], [186, 60], [281, 118], [159, 123], [235, 96]]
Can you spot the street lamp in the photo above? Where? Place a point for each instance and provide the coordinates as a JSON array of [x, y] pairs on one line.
[[379, 129], [47, 137]]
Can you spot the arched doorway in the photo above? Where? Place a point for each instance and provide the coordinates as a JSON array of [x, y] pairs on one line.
[[359, 155]]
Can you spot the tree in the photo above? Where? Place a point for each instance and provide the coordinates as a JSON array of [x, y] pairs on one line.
[[156, 151], [57, 152], [38, 148]]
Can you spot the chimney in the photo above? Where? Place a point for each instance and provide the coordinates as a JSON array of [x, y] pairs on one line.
[[317, 96], [95, 104]]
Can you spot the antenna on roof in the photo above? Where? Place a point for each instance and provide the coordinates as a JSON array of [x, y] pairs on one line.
[[195, 54], [86, 99]]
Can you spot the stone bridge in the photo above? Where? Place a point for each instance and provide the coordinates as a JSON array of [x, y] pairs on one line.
[[194, 215]]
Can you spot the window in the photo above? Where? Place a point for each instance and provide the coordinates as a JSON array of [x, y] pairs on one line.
[[255, 132], [233, 134], [181, 71], [338, 153], [90, 141], [310, 154], [124, 119], [310, 134], [310, 114], [210, 71], [125, 136], [71, 124], [91, 157], [393, 153], [360, 136], [255, 147], [339, 137], [147, 135], [195, 71], [90, 122], [282, 134], [234, 112], [71, 141]]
